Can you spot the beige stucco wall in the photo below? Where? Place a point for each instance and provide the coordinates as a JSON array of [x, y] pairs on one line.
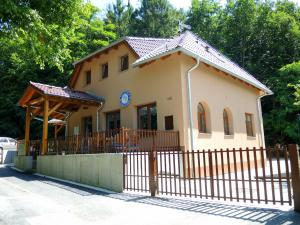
[[218, 91], [101, 170], [158, 82], [164, 82]]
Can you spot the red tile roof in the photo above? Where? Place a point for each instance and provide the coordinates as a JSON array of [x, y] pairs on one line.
[[148, 49], [66, 92]]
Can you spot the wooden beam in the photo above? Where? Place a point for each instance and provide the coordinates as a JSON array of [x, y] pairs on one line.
[[73, 101], [27, 130], [45, 128], [165, 57], [29, 92], [147, 63], [57, 129], [75, 75], [54, 108], [36, 100]]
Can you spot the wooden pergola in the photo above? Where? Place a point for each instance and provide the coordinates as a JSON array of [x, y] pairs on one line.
[[58, 125], [41, 100]]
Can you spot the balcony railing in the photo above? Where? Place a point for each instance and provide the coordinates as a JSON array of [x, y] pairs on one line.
[[111, 141]]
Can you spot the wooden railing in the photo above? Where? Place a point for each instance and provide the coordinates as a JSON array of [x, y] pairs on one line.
[[118, 140]]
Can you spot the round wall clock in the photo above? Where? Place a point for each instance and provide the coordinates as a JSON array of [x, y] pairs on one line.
[[125, 98]]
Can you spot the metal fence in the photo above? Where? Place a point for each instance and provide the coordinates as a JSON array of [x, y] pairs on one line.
[[247, 175]]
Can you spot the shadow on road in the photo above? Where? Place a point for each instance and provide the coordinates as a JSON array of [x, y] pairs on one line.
[[229, 210]]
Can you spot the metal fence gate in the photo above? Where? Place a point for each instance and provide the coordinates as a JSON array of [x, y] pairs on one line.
[[248, 175]]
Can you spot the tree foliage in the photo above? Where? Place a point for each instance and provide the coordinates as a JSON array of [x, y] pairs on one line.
[[262, 37], [121, 16], [40, 39], [155, 18], [281, 120], [204, 17]]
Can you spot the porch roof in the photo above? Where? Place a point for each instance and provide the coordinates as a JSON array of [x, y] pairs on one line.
[[61, 100]]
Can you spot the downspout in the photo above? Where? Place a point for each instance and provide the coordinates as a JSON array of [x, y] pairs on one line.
[[190, 101], [261, 121], [97, 116]]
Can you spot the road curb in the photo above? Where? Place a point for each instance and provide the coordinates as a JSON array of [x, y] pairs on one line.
[[16, 169], [76, 183]]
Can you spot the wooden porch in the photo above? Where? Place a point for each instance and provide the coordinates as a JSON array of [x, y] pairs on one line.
[[110, 141], [47, 102]]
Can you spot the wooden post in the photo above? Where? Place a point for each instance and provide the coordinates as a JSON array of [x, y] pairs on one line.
[[294, 158], [211, 174], [55, 132], [45, 127], [27, 130], [152, 168]]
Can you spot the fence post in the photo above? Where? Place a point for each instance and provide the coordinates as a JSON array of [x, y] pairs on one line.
[[294, 158], [211, 174], [152, 168]]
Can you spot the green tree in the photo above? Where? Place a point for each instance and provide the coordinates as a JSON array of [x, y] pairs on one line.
[[121, 16], [39, 41], [281, 120], [204, 17], [275, 39], [39, 31], [156, 18], [236, 26]]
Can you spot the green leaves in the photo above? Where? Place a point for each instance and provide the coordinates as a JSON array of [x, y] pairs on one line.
[[39, 41], [156, 18], [262, 37], [281, 120], [204, 17], [120, 15]]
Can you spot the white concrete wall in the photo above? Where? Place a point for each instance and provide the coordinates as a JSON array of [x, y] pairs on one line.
[[23, 162], [101, 170]]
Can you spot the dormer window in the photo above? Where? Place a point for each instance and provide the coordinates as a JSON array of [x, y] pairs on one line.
[[104, 70], [124, 62], [88, 77]]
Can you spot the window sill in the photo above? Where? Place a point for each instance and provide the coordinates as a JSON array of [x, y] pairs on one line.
[[204, 135], [229, 136], [251, 137], [123, 71]]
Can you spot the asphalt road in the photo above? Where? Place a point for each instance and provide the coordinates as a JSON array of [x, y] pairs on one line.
[[29, 199]]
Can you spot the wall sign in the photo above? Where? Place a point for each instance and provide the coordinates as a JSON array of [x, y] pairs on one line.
[[125, 98]]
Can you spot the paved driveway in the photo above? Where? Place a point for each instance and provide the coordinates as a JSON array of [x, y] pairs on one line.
[[28, 199]]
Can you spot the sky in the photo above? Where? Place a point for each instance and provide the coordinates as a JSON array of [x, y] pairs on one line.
[[185, 4]]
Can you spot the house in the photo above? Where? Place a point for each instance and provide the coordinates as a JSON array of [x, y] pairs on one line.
[[180, 84], [150, 76]]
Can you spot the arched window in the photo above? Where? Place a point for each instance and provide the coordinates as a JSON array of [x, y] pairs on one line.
[[226, 122], [201, 119]]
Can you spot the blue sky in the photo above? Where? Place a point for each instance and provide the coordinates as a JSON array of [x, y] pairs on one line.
[[185, 4]]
